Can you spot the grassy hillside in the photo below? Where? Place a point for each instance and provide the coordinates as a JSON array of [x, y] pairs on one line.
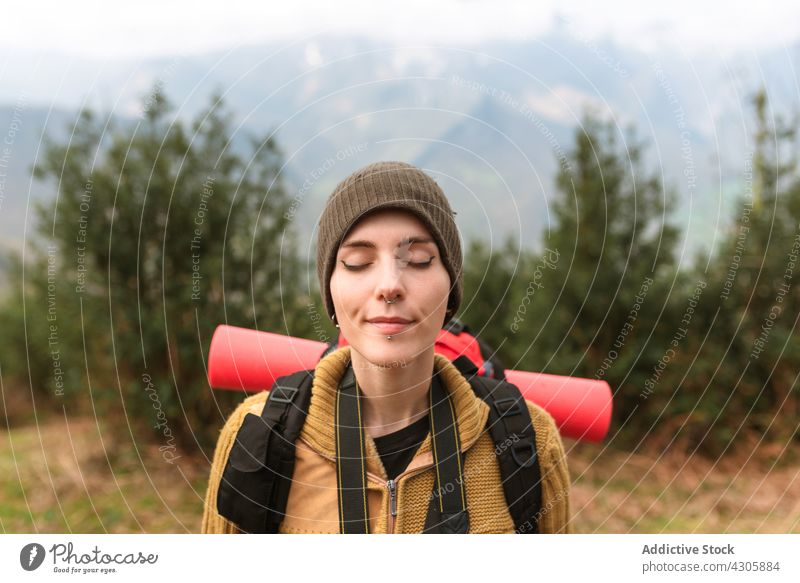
[[61, 476]]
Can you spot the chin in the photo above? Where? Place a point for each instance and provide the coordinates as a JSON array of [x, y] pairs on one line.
[[395, 353], [390, 357]]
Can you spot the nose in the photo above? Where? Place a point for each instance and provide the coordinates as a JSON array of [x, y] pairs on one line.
[[390, 278]]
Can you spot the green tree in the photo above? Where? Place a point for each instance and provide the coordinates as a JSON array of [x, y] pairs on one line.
[[603, 310], [490, 282], [30, 369], [744, 381], [163, 230]]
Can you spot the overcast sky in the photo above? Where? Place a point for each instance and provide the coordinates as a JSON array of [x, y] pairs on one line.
[[140, 28]]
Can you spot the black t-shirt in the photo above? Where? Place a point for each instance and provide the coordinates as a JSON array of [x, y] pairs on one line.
[[397, 449]]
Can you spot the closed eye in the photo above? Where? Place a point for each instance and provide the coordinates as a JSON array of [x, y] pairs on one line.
[[356, 267], [423, 264], [416, 265]]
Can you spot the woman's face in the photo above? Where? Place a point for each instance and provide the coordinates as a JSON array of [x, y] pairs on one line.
[[389, 254]]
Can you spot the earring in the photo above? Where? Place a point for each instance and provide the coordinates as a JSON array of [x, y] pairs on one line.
[[333, 318]]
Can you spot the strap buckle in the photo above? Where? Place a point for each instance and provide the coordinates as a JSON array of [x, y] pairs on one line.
[[508, 406], [531, 458], [457, 523], [283, 394]]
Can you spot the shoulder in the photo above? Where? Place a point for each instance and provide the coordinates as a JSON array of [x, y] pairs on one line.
[[253, 404], [548, 438], [555, 513], [543, 424], [212, 522]]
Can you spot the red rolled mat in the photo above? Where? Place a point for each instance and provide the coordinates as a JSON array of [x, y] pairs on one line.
[[250, 360]]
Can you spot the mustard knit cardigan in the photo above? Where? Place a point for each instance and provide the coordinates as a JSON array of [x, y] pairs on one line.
[[313, 504]]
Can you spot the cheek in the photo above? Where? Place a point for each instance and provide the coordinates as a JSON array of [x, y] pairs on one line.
[[437, 291], [346, 294], [336, 295]]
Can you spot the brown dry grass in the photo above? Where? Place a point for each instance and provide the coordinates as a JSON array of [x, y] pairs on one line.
[[755, 489], [60, 476]]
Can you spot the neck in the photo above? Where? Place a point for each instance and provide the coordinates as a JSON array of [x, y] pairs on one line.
[[394, 397]]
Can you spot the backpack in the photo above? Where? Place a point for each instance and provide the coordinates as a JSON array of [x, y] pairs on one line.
[[254, 488]]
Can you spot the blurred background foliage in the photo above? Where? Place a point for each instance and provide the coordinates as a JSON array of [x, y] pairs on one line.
[[161, 231]]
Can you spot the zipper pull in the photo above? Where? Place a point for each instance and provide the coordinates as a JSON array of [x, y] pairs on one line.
[[392, 496]]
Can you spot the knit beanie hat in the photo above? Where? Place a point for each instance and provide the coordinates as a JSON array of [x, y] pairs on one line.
[[389, 185]]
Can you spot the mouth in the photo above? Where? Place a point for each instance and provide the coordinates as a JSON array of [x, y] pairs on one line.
[[390, 325]]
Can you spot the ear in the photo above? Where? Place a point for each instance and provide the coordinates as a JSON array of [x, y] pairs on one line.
[[447, 316]]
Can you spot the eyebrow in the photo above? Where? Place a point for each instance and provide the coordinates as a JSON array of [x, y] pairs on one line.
[[371, 245]]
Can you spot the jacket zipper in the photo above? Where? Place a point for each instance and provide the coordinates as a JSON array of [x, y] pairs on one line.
[[392, 485]]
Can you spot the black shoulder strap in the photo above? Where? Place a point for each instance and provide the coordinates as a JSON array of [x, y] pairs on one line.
[[515, 445], [254, 488]]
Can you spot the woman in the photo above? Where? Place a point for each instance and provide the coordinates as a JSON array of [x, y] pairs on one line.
[[395, 439]]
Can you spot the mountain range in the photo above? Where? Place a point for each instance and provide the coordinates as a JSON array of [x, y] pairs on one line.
[[491, 123]]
